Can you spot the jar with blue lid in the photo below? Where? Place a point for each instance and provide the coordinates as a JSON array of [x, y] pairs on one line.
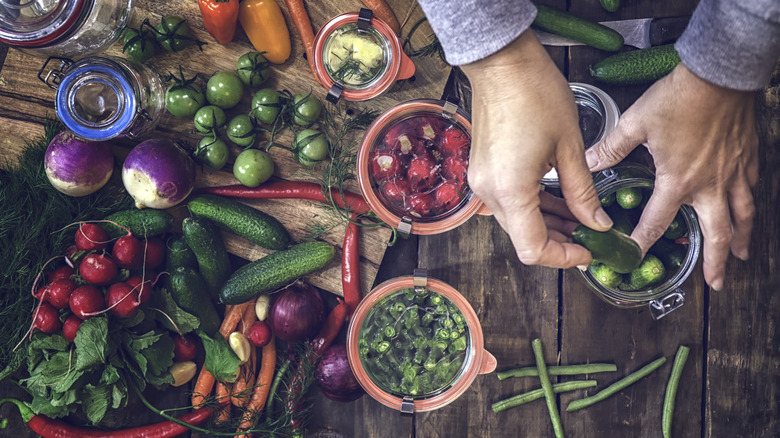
[[101, 98]]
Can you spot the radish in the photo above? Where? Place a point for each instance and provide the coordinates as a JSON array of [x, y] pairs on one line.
[[98, 269], [142, 288], [184, 348], [47, 319], [455, 142], [448, 196], [385, 166], [41, 293], [422, 173], [395, 191], [455, 168], [128, 252], [429, 127], [420, 204], [90, 237], [122, 300], [154, 247], [70, 327], [59, 292], [64, 271], [86, 301], [259, 334]]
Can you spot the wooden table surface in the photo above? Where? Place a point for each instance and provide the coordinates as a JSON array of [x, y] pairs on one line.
[[730, 383]]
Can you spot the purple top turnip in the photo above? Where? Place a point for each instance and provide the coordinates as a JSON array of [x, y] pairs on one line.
[[158, 174], [76, 167]]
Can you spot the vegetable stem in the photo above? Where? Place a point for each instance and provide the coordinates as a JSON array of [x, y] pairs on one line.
[[671, 389], [536, 394], [549, 395], [562, 370], [617, 386]]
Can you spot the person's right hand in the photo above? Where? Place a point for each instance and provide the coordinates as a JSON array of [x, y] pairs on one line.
[[526, 122]]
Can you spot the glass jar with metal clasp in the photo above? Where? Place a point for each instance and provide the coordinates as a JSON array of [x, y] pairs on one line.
[[100, 98], [65, 28]]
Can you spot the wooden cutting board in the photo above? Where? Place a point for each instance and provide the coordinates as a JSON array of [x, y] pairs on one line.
[[26, 103]]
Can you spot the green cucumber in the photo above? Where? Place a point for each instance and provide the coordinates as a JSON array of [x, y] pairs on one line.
[[142, 223], [241, 219], [179, 254], [671, 254], [637, 66], [610, 5], [648, 273], [275, 271], [677, 228], [618, 251], [204, 239], [629, 197], [608, 200], [191, 293], [604, 275], [570, 26]]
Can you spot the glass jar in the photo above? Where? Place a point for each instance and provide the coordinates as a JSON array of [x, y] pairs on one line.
[[357, 56], [453, 366], [66, 28], [598, 116], [666, 295], [100, 98], [411, 167]]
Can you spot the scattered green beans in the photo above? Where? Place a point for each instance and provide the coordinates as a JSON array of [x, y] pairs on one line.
[[539, 393], [671, 389], [549, 395], [616, 387], [562, 370]]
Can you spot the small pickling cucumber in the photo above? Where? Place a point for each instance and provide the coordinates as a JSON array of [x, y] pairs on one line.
[[204, 239], [671, 254], [179, 254], [570, 26], [275, 270], [607, 200], [637, 66], [241, 219], [617, 250], [604, 275], [621, 220], [141, 222], [610, 5], [677, 228], [191, 293], [649, 272], [629, 197]]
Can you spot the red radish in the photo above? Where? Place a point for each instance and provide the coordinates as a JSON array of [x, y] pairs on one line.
[[422, 174], [144, 290], [90, 237], [154, 247], [184, 348], [429, 127], [47, 319], [455, 168], [63, 271], [85, 301], [385, 166], [455, 142], [395, 191], [420, 204], [448, 196], [71, 251], [70, 327], [122, 300], [41, 293], [128, 252], [398, 139], [59, 292], [98, 269], [259, 334]]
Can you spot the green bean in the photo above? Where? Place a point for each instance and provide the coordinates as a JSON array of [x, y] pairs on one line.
[[549, 395], [671, 389], [539, 393], [389, 331], [617, 386], [562, 370], [459, 344]]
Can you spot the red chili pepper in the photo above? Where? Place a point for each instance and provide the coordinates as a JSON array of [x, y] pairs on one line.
[[220, 18], [50, 428], [292, 190], [350, 267]]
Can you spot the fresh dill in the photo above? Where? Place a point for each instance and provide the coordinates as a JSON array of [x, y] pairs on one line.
[[432, 48]]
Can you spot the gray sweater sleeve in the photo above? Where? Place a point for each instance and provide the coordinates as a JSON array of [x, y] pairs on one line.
[[470, 30], [732, 43]]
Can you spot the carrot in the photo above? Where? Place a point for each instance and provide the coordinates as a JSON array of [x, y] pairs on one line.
[[223, 414], [262, 387], [246, 378], [382, 10], [302, 23]]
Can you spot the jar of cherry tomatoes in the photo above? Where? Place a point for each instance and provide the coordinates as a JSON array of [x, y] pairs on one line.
[[412, 164], [65, 28], [100, 98], [357, 56]]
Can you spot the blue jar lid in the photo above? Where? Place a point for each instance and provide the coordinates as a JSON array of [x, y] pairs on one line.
[[96, 100]]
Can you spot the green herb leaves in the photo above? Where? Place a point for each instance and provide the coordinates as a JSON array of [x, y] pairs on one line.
[[221, 362]]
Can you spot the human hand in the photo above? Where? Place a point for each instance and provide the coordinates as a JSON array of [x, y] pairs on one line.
[[704, 144], [525, 122]]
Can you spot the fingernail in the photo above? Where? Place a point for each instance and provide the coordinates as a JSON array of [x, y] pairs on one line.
[[717, 284], [582, 268], [602, 218], [592, 158], [743, 255]]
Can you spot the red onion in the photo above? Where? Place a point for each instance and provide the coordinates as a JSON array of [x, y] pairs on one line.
[[335, 377], [158, 174], [297, 313], [76, 167]]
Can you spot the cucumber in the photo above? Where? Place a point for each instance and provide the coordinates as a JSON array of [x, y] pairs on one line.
[[637, 66], [615, 249], [649, 272], [241, 219], [179, 254], [275, 270], [191, 293], [629, 197], [607, 200], [677, 228], [576, 28], [142, 223], [610, 5], [671, 254], [620, 220], [604, 275], [206, 243]]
